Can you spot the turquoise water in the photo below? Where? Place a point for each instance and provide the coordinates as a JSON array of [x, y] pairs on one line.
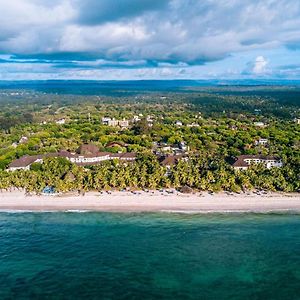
[[149, 256]]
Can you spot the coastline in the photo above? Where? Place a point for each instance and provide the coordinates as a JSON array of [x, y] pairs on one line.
[[153, 202]]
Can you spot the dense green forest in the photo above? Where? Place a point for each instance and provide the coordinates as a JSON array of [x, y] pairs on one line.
[[216, 123]]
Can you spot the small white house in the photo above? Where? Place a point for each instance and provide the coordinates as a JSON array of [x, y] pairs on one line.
[[259, 124], [61, 122], [123, 123], [113, 122], [105, 120], [193, 125], [182, 146], [24, 162], [262, 142], [136, 119], [23, 140]]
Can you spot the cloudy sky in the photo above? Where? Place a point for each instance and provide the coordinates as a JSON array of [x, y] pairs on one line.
[[149, 39]]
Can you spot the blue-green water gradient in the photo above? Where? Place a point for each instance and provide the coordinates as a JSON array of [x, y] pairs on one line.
[[149, 256]]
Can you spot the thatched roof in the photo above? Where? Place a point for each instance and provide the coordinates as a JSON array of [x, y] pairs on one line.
[[186, 190], [88, 149], [116, 144]]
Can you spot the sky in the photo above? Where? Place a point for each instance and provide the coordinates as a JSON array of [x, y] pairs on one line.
[[149, 39]]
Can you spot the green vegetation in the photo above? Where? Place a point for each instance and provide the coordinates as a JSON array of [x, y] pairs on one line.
[[218, 124], [201, 173]]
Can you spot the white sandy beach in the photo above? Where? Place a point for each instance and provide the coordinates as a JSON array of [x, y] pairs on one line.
[[152, 202]]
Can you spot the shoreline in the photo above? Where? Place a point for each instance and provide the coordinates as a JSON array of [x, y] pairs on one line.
[[152, 202]]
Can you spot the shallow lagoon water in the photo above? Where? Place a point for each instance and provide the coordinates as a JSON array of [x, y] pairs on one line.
[[149, 256]]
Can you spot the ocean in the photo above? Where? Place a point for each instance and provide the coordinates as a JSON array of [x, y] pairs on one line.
[[133, 88], [73, 255]]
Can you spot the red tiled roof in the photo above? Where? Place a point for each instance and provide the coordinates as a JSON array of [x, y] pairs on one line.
[[240, 163], [64, 153], [115, 155], [112, 144], [90, 155], [171, 160], [88, 149], [128, 155], [28, 160], [24, 161]]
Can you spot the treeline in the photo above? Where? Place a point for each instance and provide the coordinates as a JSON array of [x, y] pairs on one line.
[[10, 120], [198, 173]]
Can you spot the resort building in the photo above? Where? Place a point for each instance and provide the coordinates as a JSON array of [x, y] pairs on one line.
[[193, 125], [106, 120], [22, 163], [182, 146], [259, 124], [136, 119], [262, 142], [170, 160], [114, 123], [116, 144], [243, 162], [91, 159], [110, 122], [26, 161], [123, 123], [88, 149], [128, 156], [150, 120], [87, 155], [23, 140], [163, 148], [61, 122]]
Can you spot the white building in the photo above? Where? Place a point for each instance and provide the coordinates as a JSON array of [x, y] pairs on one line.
[[262, 142], [193, 125], [259, 124], [243, 162], [136, 119], [26, 161], [123, 123], [105, 120], [81, 159], [113, 122], [297, 121], [61, 121], [23, 140], [182, 146]]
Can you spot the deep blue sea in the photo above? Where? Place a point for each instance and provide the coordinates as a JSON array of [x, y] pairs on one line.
[[132, 87], [149, 256]]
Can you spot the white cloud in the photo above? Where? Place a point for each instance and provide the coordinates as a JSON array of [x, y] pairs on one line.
[[169, 34], [260, 65], [190, 31]]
